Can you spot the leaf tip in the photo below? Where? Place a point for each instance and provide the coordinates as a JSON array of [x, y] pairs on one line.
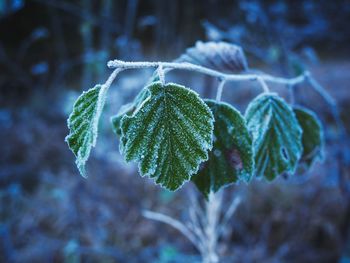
[[81, 167]]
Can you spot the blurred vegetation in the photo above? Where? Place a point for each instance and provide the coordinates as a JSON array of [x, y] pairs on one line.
[[52, 50]]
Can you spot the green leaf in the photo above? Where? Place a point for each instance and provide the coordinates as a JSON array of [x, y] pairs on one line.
[[169, 135], [276, 135], [231, 158], [83, 124], [312, 138]]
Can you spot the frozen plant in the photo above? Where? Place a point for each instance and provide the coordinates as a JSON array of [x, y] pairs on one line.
[[175, 136]]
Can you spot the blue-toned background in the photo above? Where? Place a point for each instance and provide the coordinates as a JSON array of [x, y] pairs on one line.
[[50, 51]]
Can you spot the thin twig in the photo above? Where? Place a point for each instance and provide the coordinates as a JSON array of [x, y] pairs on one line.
[[198, 232], [206, 71], [220, 89], [291, 94], [161, 74], [229, 212], [197, 208], [174, 223], [340, 152], [330, 101], [263, 85], [318, 88], [213, 207], [197, 221], [112, 77]]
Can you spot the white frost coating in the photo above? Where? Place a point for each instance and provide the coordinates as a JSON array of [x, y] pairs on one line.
[[207, 71], [313, 136], [221, 56], [83, 121], [141, 105], [276, 135], [231, 159], [170, 134]]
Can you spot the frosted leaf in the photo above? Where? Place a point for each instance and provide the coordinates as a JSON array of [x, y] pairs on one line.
[[83, 124], [231, 158], [220, 56], [169, 135], [276, 136], [312, 138]]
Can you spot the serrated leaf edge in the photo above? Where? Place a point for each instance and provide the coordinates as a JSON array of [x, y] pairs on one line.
[[275, 95], [198, 162], [81, 161], [321, 156], [250, 176]]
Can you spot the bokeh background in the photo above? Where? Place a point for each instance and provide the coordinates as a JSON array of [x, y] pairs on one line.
[[52, 50]]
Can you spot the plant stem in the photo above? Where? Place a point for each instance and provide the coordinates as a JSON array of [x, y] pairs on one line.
[[161, 74], [175, 224], [207, 71], [263, 85], [111, 78], [220, 90], [213, 208]]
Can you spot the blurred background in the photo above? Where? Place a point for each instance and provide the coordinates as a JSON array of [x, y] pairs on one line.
[[50, 51]]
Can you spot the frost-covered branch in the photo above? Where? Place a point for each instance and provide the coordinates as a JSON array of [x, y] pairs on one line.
[[318, 88], [263, 84], [261, 78], [175, 224], [207, 71], [213, 211], [229, 213], [341, 152], [112, 77], [161, 74], [330, 101], [220, 89]]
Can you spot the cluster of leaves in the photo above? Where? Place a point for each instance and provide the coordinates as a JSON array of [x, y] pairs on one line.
[[175, 136]]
